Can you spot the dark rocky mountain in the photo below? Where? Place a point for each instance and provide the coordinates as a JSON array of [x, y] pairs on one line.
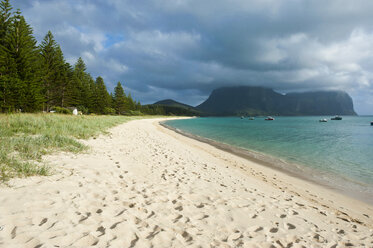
[[170, 102], [246, 100], [171, 107]]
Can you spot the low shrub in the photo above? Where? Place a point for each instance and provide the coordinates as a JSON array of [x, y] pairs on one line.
[[61, 110]]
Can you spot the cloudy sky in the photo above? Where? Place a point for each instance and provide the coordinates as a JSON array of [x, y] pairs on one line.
[[182, 49]]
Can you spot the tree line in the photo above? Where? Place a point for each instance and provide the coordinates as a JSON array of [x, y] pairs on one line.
[[36, 78]]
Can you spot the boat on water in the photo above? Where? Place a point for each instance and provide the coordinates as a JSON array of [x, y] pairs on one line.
[[242, 117], [323, 120], [371, 123], [336, 118], [251, 118], [269, 118]]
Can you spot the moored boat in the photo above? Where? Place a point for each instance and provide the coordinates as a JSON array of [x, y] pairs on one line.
[[323, 120], [251, 118], [269, 118], [336, 118]]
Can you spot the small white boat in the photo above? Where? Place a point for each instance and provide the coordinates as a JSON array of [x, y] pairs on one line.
[[269, 118], [323, 120], [251, 118], [242, 117]]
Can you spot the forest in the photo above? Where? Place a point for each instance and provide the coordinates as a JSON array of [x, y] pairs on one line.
[[36, 77]]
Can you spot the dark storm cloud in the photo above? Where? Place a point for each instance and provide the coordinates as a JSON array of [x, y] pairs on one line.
[[184, 49]]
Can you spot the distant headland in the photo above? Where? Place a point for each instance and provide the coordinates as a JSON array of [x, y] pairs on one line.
[[253, 101]]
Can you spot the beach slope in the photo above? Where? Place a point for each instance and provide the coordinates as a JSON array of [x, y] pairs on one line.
[[146, 186]]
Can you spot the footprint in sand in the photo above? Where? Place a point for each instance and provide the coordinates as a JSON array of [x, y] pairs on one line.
[[85, 217], [43, 221], [201, 205], [87, 240], [204, 216], [14, 232], [273, 230], [134, 241], [259, 229], [186, 236], [155, 231], [290, 226], [115, 225], [179, 208], [177, 218], [101, 229], [120, 213]]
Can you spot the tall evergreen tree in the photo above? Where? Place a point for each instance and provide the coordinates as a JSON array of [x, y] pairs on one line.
[[68, 87], [19, 57], [83, 83], [52, 70], [90, 101], [102, 97], [130, 103], [138, 106], [5, 19], [119, 98], [5, 22], [65, 75], [75, 89]]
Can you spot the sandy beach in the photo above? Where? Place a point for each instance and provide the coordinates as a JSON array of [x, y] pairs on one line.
[[147, 186]]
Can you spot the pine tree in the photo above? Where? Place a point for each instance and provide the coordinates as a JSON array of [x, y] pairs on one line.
[[83, 83], [102, 97], [19, 57], [53, 71], [138, 106], [5, 19], [69, 88], [130, 103], [74, 90], [119, 99], [5, 78], [90, 101], [64, 75]]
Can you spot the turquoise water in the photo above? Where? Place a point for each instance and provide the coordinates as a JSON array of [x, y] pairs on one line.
[[340, 153]]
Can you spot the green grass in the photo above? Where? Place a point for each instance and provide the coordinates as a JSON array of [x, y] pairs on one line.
[[25, 138]]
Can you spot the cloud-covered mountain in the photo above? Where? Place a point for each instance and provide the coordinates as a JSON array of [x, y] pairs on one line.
[[245, 100]]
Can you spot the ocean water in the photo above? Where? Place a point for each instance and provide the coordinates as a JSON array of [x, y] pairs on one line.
[[338, 154]]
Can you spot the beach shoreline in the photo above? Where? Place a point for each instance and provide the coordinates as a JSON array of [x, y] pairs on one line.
[[294, 170], [298, 180], [144, 185]]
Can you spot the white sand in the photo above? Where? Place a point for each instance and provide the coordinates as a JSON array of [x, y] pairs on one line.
[[146, 186]]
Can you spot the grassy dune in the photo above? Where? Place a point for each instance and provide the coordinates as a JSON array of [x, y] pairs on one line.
[[25, 138]]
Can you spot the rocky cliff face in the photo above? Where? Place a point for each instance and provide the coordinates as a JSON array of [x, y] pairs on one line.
[[245, 100]]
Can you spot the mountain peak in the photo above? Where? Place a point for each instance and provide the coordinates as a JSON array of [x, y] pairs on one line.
[[256, 100], [171, 102]]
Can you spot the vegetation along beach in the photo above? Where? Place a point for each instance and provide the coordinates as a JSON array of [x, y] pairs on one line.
[[186, 124]]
